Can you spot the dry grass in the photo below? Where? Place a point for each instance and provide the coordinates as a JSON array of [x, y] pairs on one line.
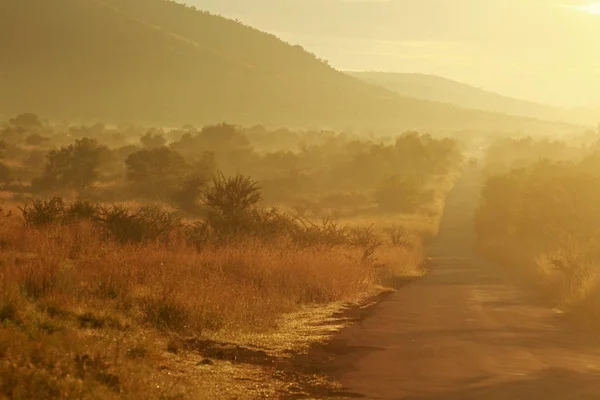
[[572, 282], [86, 316], [240, 286]]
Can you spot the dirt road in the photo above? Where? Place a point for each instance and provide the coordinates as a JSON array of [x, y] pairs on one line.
[[465, 332]]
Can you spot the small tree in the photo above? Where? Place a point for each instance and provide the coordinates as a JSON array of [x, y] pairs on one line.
[[75, 166], [158, 171], [233, 195], [188, 195], [231, 201], [153, 140], [26, 121]]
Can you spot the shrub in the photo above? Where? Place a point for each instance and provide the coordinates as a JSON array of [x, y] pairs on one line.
[[367, 240], [400, 237], [82, 210], [44, 212], [156, 172], [57, 211], [75, 166], [326, 233], [188, 196], [26, 120], [230, 201], [147, 224], [153, 140], [234, 195]]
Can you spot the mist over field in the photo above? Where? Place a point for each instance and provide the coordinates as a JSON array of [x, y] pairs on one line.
[[299, 199]]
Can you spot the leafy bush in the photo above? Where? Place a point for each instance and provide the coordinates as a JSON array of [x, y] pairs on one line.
[[56, 211], [230, 200], [44, 212], [27, 121], [188, 196], [545, 215], [233, 195], [156, 172], [75, 166], [152, 140], [534, 206], [82, 210], [147, 224], [143, 225]]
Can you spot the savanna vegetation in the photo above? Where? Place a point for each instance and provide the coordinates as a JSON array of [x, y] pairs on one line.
[[123, 248], [540, 211]]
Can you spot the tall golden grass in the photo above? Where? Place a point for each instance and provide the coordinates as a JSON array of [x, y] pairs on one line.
[[65, 289]]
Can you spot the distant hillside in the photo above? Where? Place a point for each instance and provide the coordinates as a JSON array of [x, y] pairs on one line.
[[435, 88], [161, 62]]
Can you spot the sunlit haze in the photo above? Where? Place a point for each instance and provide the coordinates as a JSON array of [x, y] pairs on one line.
[[541, 50], [250, 199]]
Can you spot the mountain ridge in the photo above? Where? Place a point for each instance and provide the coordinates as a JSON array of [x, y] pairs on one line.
[[441, 89], [163, 62]]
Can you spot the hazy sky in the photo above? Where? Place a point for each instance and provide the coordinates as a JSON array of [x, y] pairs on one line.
[[542, 50]]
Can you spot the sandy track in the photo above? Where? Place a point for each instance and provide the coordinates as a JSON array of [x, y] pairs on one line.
[[465, 332]]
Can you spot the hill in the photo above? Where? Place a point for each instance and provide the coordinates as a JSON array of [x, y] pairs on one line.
[[439, 89], [157, 61]]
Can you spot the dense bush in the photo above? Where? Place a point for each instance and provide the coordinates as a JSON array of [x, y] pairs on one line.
[[510, 153], [153, 140], [533, 206], [146, 224], [157, 172], [231, 215], [231, 199], [26, 121], [43, 212], [75, 166], [546, 215], [316, 173], [21, 126], [188, 196]]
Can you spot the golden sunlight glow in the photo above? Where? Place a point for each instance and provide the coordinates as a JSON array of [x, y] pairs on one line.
[[593, 8]]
